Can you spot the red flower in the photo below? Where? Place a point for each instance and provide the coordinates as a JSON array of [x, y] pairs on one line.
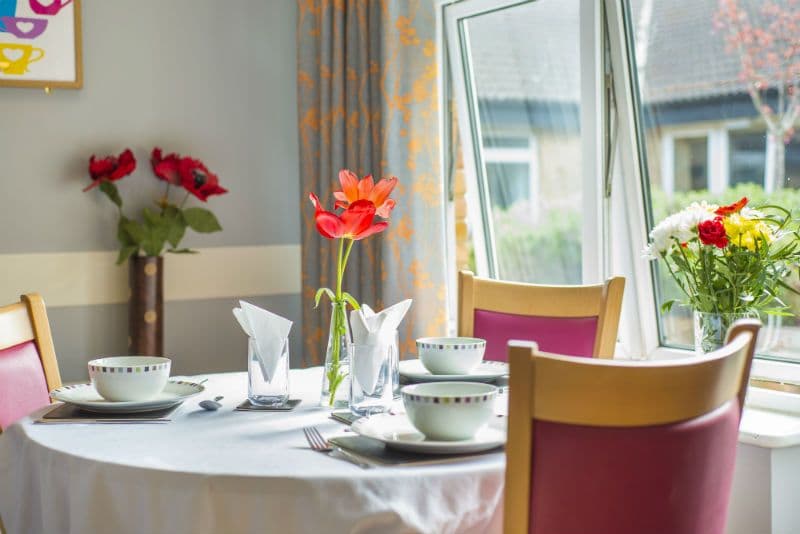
[[355, 222], [110, 168], [166, 168], [354, 189], [736, 207], [712, 232], [198, 180]]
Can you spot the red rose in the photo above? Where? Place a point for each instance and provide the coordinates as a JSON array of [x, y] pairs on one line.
[[712, 232], [736, 207], [166, 168], [110, 168], [198, 180]]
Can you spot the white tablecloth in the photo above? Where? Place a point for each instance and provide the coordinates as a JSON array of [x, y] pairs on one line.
[[229, 472]]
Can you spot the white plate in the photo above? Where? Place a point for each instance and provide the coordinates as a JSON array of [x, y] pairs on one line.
[[87, 398], [397, 432], [487, 371]]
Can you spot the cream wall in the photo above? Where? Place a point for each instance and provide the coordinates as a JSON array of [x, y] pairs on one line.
[[212, 79]]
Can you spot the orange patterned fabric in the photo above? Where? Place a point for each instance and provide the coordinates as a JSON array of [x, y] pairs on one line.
[[367, 101]]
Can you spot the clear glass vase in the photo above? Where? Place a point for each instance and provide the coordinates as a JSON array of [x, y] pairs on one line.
[[710, 328], [336, 377]]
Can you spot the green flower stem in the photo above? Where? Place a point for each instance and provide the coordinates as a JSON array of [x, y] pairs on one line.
[[335, 376]]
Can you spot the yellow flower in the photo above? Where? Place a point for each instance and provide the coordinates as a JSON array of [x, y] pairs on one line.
[[746, 232]]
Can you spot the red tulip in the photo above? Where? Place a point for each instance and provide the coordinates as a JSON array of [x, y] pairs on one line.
[[110, 168], [198, 180], [354, 189], [166, 168], [355, 222]]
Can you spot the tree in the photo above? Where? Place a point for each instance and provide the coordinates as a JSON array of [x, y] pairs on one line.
[[767, 41]]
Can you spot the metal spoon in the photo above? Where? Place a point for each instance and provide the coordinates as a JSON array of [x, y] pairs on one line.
[[211, 405]]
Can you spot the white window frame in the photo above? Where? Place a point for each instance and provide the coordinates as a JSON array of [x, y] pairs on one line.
[[592, 132], [639, 332]]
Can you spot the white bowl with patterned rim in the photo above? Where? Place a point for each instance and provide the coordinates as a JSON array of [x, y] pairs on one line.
[[450, 355], [129, 378], [449, 411]]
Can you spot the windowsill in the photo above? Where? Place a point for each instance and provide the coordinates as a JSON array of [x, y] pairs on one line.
[[769, 429]]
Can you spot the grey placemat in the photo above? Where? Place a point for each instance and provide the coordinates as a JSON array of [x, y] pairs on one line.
[[376, 453], [69, 413], [248, 406]]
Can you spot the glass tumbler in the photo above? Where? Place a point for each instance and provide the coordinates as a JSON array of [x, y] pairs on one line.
[[371, 378], [263, 392]]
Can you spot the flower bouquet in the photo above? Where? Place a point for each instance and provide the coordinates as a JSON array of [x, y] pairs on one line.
[[729, 261], [143, 240], [150, 235], [362, 202]]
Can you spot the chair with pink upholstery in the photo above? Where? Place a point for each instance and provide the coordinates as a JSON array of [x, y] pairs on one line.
[[623, 447], [28, 365], [573, 320]]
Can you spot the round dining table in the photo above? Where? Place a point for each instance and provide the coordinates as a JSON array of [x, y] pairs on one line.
[[230, 472]]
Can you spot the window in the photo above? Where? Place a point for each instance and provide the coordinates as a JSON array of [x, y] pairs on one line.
[[748, 158], [569, 154], [518, 77], [691, 163], [688, 77]]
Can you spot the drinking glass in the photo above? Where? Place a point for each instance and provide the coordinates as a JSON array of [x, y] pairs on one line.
[[371, 377], [263, 392]]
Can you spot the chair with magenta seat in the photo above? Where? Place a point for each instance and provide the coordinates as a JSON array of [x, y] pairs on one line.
[[624, 447], [573, 320], [28, 365]]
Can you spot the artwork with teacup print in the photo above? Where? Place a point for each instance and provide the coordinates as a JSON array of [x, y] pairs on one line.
[[40, 43]]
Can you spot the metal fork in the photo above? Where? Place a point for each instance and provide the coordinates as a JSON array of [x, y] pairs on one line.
[[320, 444]]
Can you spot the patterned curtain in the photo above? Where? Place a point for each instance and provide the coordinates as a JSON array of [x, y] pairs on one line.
[[367, 101]]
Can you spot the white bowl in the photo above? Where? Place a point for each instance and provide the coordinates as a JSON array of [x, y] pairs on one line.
[[449, 411], [129, 378], [450, 355]]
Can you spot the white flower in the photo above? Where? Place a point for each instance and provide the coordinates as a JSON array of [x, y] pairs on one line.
[[681, 226]]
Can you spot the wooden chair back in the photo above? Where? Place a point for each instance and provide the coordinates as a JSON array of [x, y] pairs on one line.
[[26, 322], [499, 311], [611, 428]]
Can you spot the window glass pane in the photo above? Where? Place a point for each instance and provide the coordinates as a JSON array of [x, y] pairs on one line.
[[691, 164], [748, 157], [526, 67], [703, 66]]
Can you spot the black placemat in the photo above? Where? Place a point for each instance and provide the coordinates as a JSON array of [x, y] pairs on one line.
[[248, 406]]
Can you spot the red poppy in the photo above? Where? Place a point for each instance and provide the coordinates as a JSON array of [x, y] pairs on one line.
[[198, 180], [354, 189], [736, 207], [110, 168], [166, 168], [712, 232], [355, 222]]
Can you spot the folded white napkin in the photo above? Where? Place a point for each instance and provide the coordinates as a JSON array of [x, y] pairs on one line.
[[270, 332], [376, 330]]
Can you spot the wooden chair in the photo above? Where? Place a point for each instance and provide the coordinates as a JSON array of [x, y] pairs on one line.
[[28, 365], [573, 320], [623, 447]]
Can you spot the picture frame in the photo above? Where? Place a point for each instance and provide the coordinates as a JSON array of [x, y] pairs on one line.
[[41, 44]]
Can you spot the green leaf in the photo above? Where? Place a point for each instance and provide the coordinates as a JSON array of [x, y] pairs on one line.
[[134, 230], [123, 236], [320, 292], [667, 306], [351, 300], [201, 220], [182, 251], [150, 217], [125, 253], [111, 191]]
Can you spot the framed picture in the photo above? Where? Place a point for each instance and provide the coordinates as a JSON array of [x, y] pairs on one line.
[[40, 43]]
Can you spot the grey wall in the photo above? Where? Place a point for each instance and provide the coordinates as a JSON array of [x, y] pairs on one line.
[[203, 77]]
